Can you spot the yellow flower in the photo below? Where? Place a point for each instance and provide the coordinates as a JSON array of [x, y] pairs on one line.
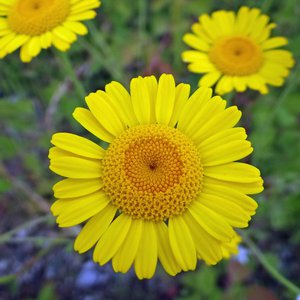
[[167, 187], [236, 51], [33, 25]]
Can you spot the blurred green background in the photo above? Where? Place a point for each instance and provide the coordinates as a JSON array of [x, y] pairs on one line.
[[130, 38]]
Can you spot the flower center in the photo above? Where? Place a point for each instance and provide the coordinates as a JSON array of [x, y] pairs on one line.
[[152, 172], [236, 56], [35, 17]]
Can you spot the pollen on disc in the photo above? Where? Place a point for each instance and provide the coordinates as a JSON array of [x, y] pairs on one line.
[[35, 17], [152, 172]]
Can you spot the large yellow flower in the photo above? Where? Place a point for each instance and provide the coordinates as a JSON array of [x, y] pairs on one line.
[[236, 51], [167, 187], [38, 24]]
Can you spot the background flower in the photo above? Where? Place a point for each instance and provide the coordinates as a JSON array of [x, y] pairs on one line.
[[33, 25], [236, 51]]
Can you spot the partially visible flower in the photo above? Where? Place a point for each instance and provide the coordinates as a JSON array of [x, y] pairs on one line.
[[33, 25], [167, 188], [236, 51], [243, 255]]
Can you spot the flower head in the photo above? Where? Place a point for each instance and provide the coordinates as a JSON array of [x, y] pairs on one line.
[[167, 187], [33, 25], [236, 51]]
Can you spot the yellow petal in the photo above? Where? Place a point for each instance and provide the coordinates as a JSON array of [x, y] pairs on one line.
[[209, 79], [228, 210], [46, 40], [101, 107], [235, 171], [77, 145], [69, 188], [87, 15], [34, 46], [89, 122], [225, 85], [112, 239], [280, 56], [225, 21], [226, 153], [152, 86], [165, 99], [196, 103], [202, 67], [126, 254], [141, 100], [165, 253], [182, 93], [239, 83], [209, 26], [122, 102], [208, 248], [74, 211], [201, 117], [16, 43], [64, 34], [242, 19], [230, 194], [223, 120], [221, 138], [76, 27], [182, 244], [197, 28], [146, 257], [213, 223], [59, 43], [195, 42], [246, 188], [274, 42], [192, 56], [55, 153], [75, 167], [94, 229]]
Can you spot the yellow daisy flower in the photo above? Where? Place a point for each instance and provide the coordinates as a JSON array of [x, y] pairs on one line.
[[33, 25], [236, 51], [167, 187]]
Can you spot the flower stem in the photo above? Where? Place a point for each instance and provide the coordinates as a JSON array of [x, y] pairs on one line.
[[142, 19], [177, 32], [268, 266], [289, 88], [104, 52], [80, 90], [5, 237]]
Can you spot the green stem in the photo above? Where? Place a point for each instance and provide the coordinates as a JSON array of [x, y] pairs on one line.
[[106, 57], [101, 60], [142, 26], [21, 186], [7, 235], [290, 86], [70, 71], [177, 32], [7, 278], [268, 266]]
